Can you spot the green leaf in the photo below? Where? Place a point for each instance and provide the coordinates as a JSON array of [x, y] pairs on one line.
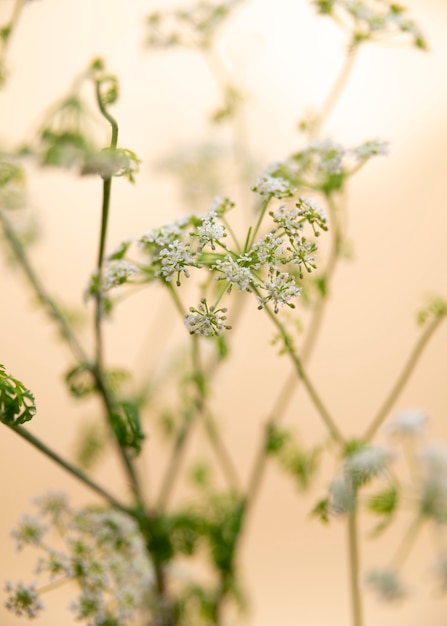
[[17, 404], [321, 510], [384, 502], [125, 421], [80, 381], [276, 439]]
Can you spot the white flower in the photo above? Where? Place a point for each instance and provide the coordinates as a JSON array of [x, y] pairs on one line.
[[30, 531], [211, 230], [281, 288], [288, 219], [205, 321], [117, 273], [386, 584], [165, 235], [267, 185], [408, 423], [342, 495], [176, 258], [268, 251], [23, 600], [369, 149], [367, 462], [234, 273]]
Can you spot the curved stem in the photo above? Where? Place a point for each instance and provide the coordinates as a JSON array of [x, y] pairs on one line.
[[403, 378], [98, 368], [73, 470]]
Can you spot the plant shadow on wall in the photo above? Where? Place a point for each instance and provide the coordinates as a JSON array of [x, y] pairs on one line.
[[134, 560]]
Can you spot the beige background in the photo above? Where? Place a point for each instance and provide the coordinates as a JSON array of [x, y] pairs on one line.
[[294, 569]]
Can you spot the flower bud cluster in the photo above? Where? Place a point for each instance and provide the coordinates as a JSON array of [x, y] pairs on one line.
[[101, 550], [269, 266], [372, 20], [324, 165]]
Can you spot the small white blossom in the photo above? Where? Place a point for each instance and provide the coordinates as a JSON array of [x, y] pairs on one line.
[[330, 155], [408, 423], [165, 235], [234, 273], [221, 205], [55, 564], [23, 600], [302, 253], [117, 273], [370, 149], [367, 462], [281, 289], [176, 258], [341, 495], [205, 321], [210, 231], [90, 605], [268, 251], [30, 531], [267, 185], [288, 219], [386, 584]]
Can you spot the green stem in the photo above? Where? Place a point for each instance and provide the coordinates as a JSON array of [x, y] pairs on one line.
[[254, 232], [354, 570], [318, 403], [222, 455], [403, 378], [98, 368], [335, 92], [407, 543], [290, 384], [183, 435], [74, 471], [12, 24], [47, 302]]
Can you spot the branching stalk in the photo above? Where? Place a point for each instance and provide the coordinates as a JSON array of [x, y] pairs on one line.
[[403, 378], [72, 469]]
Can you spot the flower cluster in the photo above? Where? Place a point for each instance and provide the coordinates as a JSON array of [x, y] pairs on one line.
[[268, 266], [192, 26], [324, 165], [359, 467], [206, 321], [102, 551], [371, 20]]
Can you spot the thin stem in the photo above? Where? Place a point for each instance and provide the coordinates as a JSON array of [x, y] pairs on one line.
[[403, 378], [222, 455], [16, 12], [183, 435], [73, 470], [354, 570], [48, 303], [254, 232], [407, 543], [335, 92], [290, 384], [318, 403], [98, 368]]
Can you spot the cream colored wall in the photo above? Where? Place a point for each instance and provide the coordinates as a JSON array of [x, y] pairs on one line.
[[295, 569]]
